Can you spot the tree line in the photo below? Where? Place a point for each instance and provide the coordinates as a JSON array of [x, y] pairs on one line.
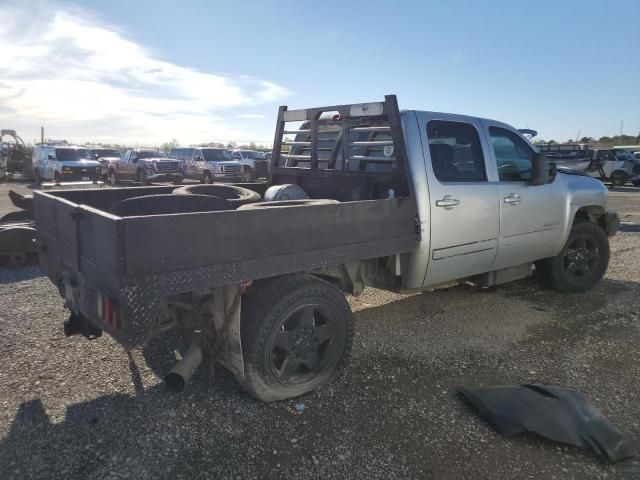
[[605, 141]]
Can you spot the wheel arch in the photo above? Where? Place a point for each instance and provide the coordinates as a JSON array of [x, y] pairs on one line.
[[591, 213]]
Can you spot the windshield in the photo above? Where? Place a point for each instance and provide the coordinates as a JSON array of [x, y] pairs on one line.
[[104, 152], [251, 154], [216, 154], [71, 154], [623, 154], [151, 154]]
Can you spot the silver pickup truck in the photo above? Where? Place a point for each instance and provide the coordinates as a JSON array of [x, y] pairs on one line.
[[404, 201]]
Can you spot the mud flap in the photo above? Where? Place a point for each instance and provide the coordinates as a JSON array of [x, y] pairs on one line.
[[226, 317]]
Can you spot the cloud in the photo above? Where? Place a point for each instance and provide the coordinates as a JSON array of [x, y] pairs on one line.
[[250, 116], [85, 80]]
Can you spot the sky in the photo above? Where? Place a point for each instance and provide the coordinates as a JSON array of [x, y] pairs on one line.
[[146, 72]]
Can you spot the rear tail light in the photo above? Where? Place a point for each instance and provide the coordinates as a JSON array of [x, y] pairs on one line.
[[109, 312]]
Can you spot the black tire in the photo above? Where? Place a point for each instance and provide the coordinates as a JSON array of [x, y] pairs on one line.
[[582, 262], [57, 177], [142, 178], [284, 354], [113, 178], [618, 178], [237, 196], [289, 203], [207, 178], [19, 216], [168, 203], [37, 177], [250, 174]]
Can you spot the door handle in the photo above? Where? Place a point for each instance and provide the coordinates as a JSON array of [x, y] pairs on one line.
[[448, 202], [512, 199]]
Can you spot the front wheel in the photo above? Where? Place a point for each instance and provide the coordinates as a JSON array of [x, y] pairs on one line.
[[113, 178], [297, 332], [582, 262], [142, 178], [208, 179]]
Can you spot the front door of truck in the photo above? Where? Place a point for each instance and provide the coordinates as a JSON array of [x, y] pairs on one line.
[[125, 166], [532, 217], [464, 205], [195, 164]]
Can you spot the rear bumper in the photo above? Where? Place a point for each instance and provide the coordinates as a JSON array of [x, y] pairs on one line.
[[612, 223]]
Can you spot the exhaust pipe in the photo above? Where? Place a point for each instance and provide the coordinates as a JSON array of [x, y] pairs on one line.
[[182, 372]]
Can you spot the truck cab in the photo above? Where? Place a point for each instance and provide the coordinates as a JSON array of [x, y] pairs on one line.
[[480, 208]]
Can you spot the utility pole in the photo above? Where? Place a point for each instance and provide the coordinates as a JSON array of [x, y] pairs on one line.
[[621, 127], [41, 134]]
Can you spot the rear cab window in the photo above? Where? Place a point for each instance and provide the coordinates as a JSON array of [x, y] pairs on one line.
[[456, 152]]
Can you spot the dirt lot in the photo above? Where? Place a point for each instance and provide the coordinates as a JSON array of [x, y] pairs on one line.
[[78, 409]]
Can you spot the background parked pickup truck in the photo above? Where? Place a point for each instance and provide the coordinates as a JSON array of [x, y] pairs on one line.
[[209, 164], [145, 165]]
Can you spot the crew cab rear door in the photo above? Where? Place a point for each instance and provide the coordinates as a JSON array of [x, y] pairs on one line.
[[531, 217], [464, 206]]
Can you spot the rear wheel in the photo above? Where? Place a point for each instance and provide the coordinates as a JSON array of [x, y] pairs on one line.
[[208, 178], [297, 333], [37, 177], [56, 177], [582, 262], [618, 178], [113, 178]]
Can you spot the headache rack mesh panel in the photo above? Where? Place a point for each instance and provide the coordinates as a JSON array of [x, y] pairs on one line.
[[364, 137]]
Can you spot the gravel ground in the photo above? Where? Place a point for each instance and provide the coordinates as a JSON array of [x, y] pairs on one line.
[[78, 409]]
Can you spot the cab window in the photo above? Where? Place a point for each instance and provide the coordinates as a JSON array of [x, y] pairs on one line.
[[513, 156], [456, 152]]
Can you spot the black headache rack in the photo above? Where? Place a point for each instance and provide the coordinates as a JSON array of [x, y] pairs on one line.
[[131, 265], [346, 152]]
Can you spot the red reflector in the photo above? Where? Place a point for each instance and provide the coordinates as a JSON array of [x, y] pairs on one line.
[[110, 313], [106, 309]]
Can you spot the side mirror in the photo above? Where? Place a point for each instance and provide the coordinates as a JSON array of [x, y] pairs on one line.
[[539, 170], [198, 158], [134, 159], [553, 171], [51, 157]]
